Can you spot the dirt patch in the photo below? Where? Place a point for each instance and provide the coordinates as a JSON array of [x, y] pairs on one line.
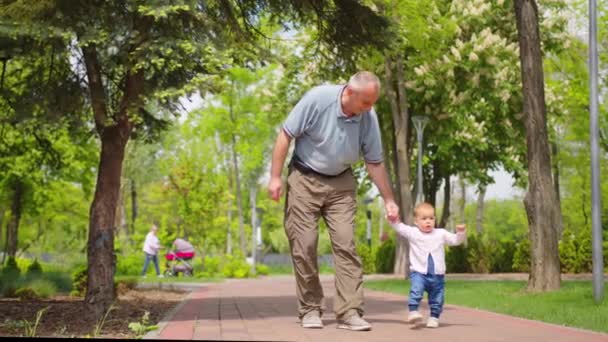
[[68, 317]]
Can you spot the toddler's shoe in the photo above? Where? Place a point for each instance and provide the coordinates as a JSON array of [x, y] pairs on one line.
[[414, 317], [432, 322]]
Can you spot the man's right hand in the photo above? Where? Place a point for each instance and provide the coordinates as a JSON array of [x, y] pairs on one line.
[[274, 188]]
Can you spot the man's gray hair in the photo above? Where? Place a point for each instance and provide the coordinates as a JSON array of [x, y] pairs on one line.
[[362, 79]]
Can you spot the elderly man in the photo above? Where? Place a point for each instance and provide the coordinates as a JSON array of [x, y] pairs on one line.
[[332, 126]]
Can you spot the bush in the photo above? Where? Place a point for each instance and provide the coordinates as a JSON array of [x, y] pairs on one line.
[[11, 269], [456, 260], [262, 269], [502, 258], [34, 269], [210, 267], [479, 253], [9, 285], [132, 264], [385, 257], [24, 293], [79, 282], [61, 280], [521, 257], [605, 249], [124, 285], [368, 259], [575, 252], [43, 288], [235, 267]]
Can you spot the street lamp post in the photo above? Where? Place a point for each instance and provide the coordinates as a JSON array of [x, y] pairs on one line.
[[596, 219], [420, 122]]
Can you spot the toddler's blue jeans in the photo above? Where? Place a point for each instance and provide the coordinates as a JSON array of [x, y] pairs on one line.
[[433, 284]]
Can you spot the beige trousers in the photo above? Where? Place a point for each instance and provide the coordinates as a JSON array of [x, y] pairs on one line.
[[309, 197]]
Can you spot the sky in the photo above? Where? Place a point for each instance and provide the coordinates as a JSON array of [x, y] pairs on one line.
[[502, 188]]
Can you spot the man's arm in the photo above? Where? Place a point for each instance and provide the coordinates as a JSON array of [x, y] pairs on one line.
[[279, 153], [377, 173]]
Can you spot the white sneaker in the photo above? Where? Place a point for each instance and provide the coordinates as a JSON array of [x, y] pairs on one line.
[[312, 320], [354, 322], [161, 276], [432, 322], [414, 317]]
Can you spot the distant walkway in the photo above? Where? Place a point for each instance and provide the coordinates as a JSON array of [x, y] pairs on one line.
[[265, 310]]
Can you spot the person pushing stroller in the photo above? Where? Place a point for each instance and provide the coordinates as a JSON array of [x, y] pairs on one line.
[[177, 261]]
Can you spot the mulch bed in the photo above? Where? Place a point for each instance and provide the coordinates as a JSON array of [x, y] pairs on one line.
[[68, 317]]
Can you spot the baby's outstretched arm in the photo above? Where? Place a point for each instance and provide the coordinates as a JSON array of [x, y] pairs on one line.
[[402, 229], [452, 239]]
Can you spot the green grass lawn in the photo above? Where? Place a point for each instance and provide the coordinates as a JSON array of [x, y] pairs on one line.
[[572, 305], [288, 269]]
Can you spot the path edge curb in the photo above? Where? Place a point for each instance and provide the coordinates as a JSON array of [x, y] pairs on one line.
[[154, 334]]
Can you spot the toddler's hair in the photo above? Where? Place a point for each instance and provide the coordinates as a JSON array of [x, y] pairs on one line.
[[423, 206]]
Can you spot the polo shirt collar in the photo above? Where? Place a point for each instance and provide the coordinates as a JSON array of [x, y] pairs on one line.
[[341, 115]]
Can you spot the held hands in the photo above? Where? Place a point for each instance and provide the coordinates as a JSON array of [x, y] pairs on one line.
[[392, 211], [274, 188], [461, 228]]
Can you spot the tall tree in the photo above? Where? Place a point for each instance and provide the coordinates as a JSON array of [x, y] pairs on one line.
[[247, 102], [138, 54], [481, 195], [542, 208]]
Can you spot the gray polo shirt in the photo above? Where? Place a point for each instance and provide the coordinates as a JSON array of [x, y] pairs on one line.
[[327, 140]]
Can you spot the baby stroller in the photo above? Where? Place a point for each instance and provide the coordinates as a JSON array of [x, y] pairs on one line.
[[177, 262]]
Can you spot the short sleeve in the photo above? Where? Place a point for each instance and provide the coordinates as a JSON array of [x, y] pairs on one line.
[[371, 142], [301, 116]]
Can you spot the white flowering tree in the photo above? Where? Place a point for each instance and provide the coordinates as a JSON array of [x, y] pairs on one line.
[[459, 65]]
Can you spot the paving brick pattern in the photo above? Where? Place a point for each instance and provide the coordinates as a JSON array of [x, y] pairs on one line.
[[265, 310]]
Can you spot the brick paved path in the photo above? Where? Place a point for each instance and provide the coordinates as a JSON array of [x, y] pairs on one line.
[[265, 310]]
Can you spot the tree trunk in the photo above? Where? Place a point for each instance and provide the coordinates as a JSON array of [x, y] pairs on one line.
[[253, 191], [540, 200], [2, 213], [5, 249], [237, 178], [554, 152], [15, 218], [229, 229], [400, 121], [134, 209], [480, 207], [120, 222], [445, 215], [226, 160], [463, 199], [430, 190], [239, 199], [100, 248], [114, 133], [381, 218], [394, 162], [387, 132]]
